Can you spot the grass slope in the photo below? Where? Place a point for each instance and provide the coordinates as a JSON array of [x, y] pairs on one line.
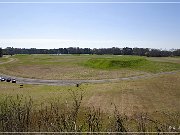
[[113, 63], [131, 62]]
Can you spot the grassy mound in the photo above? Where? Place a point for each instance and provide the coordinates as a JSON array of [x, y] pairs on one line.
[[131, 62], [114, 63]]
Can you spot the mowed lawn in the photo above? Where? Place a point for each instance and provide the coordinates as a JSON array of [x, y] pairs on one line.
[[160, 93], [68, 67]]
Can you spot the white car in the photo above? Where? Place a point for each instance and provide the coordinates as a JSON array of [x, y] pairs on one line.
[[13, 80]]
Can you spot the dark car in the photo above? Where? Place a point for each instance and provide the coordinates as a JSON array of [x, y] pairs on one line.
[[3, 79], [8, 79], [13, 80]]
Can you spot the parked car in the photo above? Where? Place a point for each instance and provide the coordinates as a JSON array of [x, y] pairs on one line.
[[13, 80], [3, 79], [8, 79]]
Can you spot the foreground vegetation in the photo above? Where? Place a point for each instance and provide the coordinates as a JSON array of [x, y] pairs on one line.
[[19, 115]]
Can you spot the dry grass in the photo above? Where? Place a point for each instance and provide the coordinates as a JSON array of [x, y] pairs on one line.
[[165, 59], [3, 59], [146, 95], [68, 73], [20, 115]]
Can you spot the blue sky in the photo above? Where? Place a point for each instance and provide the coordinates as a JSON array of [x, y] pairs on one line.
[[89, 25]]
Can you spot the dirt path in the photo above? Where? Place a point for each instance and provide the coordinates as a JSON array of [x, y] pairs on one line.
[[21, 80], [9, 61]]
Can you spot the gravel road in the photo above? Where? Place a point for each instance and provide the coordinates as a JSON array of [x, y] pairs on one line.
[[21, 80]]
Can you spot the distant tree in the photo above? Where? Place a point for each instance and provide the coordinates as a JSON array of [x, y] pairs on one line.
[[60, 51], [1, 52], [71, 50], [10, 51], [140, 51], [158, 53], [116, 51], [65, 51], [154, 53], [166, 53], [127, 51], [176, 52], [87, 51], [78, 50]]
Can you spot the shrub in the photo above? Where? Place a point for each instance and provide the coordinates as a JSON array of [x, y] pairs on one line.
[[20, 115]]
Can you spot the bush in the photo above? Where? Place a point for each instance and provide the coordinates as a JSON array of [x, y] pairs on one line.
[[20, 115]]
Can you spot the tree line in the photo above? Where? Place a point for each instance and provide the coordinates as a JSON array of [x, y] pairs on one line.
[[101, 51], [1, 52]]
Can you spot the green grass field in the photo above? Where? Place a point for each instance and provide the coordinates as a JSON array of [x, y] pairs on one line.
[[132, 63], [85, 66]]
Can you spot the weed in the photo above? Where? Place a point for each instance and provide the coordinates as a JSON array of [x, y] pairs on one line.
[[19, 115]]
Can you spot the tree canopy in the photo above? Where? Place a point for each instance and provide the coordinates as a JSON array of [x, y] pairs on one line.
[[101, 51], [1, 52]]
